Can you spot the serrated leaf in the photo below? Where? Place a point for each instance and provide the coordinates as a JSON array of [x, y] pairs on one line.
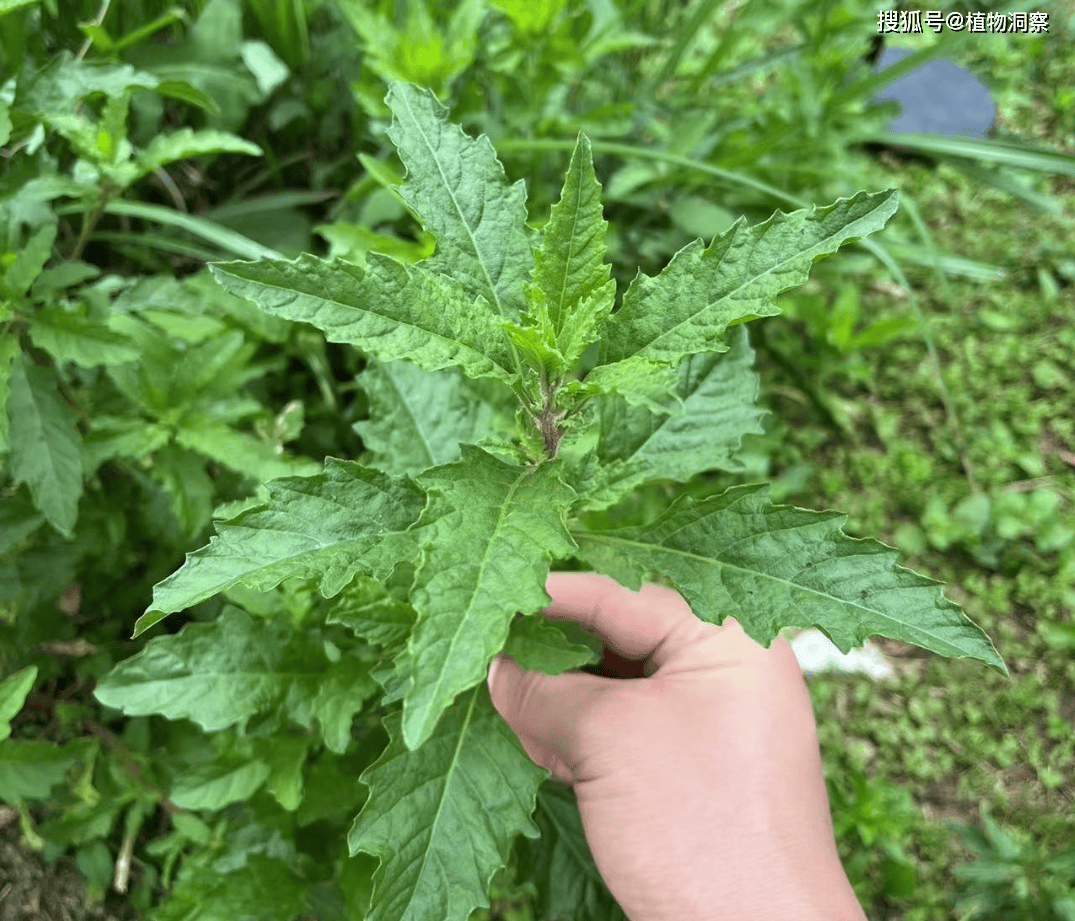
[[13, 691], [718, 392], [469, 790], [457, 187], [560, 863], [537, 643], [418, 419], [389, 310], [219, 783], [239, 451], [536, 339], [70, 337], [491, 529], [687, 308], [221, 674], [639, 381], [326, 527], [373, 613], [45, 451], [569, 267], [772, 567]]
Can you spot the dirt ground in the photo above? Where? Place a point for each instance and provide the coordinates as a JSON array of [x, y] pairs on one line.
[[30, 890]]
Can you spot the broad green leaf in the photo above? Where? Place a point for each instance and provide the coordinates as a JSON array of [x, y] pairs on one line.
[[52, 90], [13, 691], [467, 793], [231, 779], [29, 262], [772, 567], [286, 756], [238, 451], [389, 310], [223, 673], [457, 187], [570, 269], [637, 446], [560, 864], [68, 336], [536, 340], [330, 782], [44, 444], [373, 612], [29, 769], [326, 527], [538, 643], [639, 381], [266, 888], [490, 531], [687, 308], [186, 142], [418, 419], [342, 691]]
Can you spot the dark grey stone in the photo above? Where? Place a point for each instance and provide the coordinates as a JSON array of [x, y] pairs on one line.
[[938, 98]]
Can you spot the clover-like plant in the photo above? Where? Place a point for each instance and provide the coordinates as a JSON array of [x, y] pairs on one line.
[[436, 552]]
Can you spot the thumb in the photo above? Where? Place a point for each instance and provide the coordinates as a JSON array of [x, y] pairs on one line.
[[544, 711]]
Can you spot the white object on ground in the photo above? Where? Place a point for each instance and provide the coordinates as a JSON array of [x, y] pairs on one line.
[[816, 653]]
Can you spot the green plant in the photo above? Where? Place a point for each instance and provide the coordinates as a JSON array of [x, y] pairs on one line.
[[872, 819], [432, 557], [1011, 877]]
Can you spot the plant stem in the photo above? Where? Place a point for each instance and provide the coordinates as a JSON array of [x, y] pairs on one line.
[[91, 220], [549, 421]]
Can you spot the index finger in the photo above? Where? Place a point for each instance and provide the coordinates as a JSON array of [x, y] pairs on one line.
[[631, 624]]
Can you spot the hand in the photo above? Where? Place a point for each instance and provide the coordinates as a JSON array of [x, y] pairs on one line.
[[699, 784]]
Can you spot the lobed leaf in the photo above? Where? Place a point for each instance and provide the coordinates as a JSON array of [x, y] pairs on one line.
[[326, 527], [469, 791], [457, 186], [537, 643], [223, 673], [387, 309], [772, 567], [570, 270], [490, 530], [687, 308], [419, 419], [560, 864], [718, 394]]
